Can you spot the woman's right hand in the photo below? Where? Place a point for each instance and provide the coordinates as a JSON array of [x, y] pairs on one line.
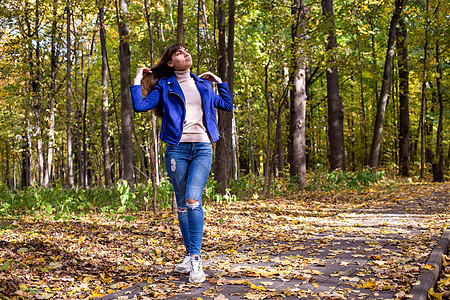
[[140, 71], [140, 74]]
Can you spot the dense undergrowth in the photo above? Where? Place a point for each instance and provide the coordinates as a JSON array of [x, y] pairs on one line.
[[120, 201]]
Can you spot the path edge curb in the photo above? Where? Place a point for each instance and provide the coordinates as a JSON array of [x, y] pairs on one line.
[[428, 278]]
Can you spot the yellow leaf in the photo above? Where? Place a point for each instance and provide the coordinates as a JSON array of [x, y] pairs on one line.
[[370, 284], [429, 267], [434, 295], [97, 294], [252, 296], [23, 286], [445, 260]]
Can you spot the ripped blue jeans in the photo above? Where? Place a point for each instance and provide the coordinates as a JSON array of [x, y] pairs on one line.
[[188, 166]]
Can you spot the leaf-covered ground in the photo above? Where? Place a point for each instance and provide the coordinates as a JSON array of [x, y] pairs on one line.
[[352, 244]]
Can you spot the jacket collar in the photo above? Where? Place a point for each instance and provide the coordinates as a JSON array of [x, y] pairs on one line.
[[173, 78], [200, 82]]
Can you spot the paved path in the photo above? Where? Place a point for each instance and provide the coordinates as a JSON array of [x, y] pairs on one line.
[[374, 252]]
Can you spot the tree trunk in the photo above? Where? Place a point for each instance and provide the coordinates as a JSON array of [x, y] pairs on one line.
[[35, 75], [125, 80], [105, 102], [250, 126], [223, 161], [438, 169], [199, 56], [403, 74], [335, 107], [423, 103], [180, 22], [230, 80], [279, 134], [52, 92], [76, 142], [267, 168], [374, 61], [207, 35], [70, 179], [297, 136], [363, 104], [153, 153], [26, 155], [117, 151], [381, 107], [85, 181], [279, 155]]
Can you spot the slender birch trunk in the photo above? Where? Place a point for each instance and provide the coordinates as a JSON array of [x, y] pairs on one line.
[[297, 118], [105, 102]]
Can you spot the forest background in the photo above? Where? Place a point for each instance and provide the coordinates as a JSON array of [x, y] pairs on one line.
[[323, 91]]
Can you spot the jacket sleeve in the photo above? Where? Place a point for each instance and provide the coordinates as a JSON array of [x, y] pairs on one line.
[[144, 104], [223, 101]]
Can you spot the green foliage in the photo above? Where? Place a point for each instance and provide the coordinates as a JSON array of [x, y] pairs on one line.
[[165, 194], [337, 179], [211, 194], [119, 201], [247, 186], [62, 203]]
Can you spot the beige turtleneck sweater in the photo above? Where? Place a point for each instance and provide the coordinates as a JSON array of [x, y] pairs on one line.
[[193, 128]]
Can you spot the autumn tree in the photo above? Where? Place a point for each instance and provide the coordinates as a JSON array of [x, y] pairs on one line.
[[223, 157], [297, 139], [125, 80], [105, 100], [382, 100], [335, 107], [404, 124]]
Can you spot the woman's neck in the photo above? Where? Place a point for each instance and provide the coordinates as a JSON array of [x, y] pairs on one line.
[[183, 75]]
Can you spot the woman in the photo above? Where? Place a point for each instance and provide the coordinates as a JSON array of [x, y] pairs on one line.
[[187, 105]]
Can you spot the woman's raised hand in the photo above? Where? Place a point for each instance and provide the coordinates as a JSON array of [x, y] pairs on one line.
[[140, 71], [210, 77], [140, 74]]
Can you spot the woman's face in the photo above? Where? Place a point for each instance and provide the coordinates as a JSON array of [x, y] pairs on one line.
[[181, 60]]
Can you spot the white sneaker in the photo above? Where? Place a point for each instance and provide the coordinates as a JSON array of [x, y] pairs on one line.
[[196, 275], [185, 266]]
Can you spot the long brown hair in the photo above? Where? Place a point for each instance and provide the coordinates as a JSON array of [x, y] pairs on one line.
[[159, 71]]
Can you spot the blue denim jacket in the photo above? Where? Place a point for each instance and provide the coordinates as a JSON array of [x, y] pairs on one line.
[[169, 92]]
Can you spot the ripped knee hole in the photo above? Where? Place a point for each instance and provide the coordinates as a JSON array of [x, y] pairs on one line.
[[191, 203]]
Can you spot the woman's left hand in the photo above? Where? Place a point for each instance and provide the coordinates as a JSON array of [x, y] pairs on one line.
[[210, 77]]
